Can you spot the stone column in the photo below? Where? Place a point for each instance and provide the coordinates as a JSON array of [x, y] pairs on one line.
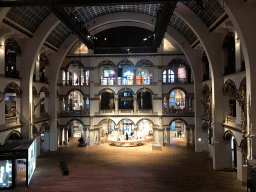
[[91, 138], [66, 103], [61, 136], [135, 103], [161, 136], [167, 104], [37, 69], [168, 136], [241, 168], [116, 103], [135, 131], [65, 135], [155, 135], [187, 135], [47, 139], [117, 127]]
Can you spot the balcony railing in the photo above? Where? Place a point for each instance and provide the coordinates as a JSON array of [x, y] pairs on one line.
[[179, 112], [126, 81], [73, 83], [176, 80], [74, 113]]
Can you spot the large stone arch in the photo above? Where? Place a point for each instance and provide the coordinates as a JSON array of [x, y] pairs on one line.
[[75, 119], [180, 88], [229, 86], [74, 89], [106, 62], [45, 90], [75, 62], [145, 119], [125, 89], [15, 87], [106, 89], [145, 89], [13, 132], [125, 119], [106, 119], [180, 119], [144, 62]]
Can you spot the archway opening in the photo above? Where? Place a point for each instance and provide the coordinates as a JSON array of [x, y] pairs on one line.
[[145, 129], [126, 100], [144, 100], [10, 103], [107, 101], [75, 101], [177, 101], [75, 129]]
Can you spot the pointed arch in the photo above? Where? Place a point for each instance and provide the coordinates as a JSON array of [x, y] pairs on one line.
[[34, 91], [76, 63], [243, 85], [12, 42], [229, 86], [15, 87], [15, 134], [45, 90], [74, 89], [125, 62], [75, 120]]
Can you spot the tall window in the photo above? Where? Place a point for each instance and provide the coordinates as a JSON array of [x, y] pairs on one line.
[[87, 77], [108, 75], [177, 99], [75, 101], [12, 49], [168, 77]]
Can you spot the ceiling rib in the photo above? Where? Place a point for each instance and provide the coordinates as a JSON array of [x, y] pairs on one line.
[[163, 20]]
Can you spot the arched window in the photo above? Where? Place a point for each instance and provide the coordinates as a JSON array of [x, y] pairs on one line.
[[12, 49], [75, 101], [107, 101], [108, 73], [126, 100], [177, 99], [230, 54], [125, 73], [10, 103], [75, 74], [144, 72], [177, 72]]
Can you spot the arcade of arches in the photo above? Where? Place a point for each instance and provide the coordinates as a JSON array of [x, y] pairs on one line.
[[198, 85]]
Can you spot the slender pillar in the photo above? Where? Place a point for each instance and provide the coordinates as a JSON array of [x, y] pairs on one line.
[[91, 138], [117, 127], [65, 136], [61, 136], [135, 103], [155, 135], [188, 135], [116, 103], [161, 136], [168, 136], [47, 139], [167, 104], [135, 131]]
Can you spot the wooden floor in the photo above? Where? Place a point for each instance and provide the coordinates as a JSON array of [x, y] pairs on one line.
[[108, 168]]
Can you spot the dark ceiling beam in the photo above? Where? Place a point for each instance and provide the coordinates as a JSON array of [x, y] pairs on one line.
[[163, 20], [75, 3], [78, 30]]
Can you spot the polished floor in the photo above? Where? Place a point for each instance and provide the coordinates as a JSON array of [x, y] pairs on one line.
[[107, 168]]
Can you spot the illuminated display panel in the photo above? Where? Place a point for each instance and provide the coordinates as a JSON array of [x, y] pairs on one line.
[[31, 160], [6, 174]]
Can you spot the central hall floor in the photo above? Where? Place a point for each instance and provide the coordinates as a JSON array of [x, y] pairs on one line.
[[107, 168]]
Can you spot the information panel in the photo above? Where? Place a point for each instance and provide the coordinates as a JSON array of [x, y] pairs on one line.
[[5, 174], [31, 160]]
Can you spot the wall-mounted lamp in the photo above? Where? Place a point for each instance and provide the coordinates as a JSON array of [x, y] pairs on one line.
[[237, 40], [1, 47]]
